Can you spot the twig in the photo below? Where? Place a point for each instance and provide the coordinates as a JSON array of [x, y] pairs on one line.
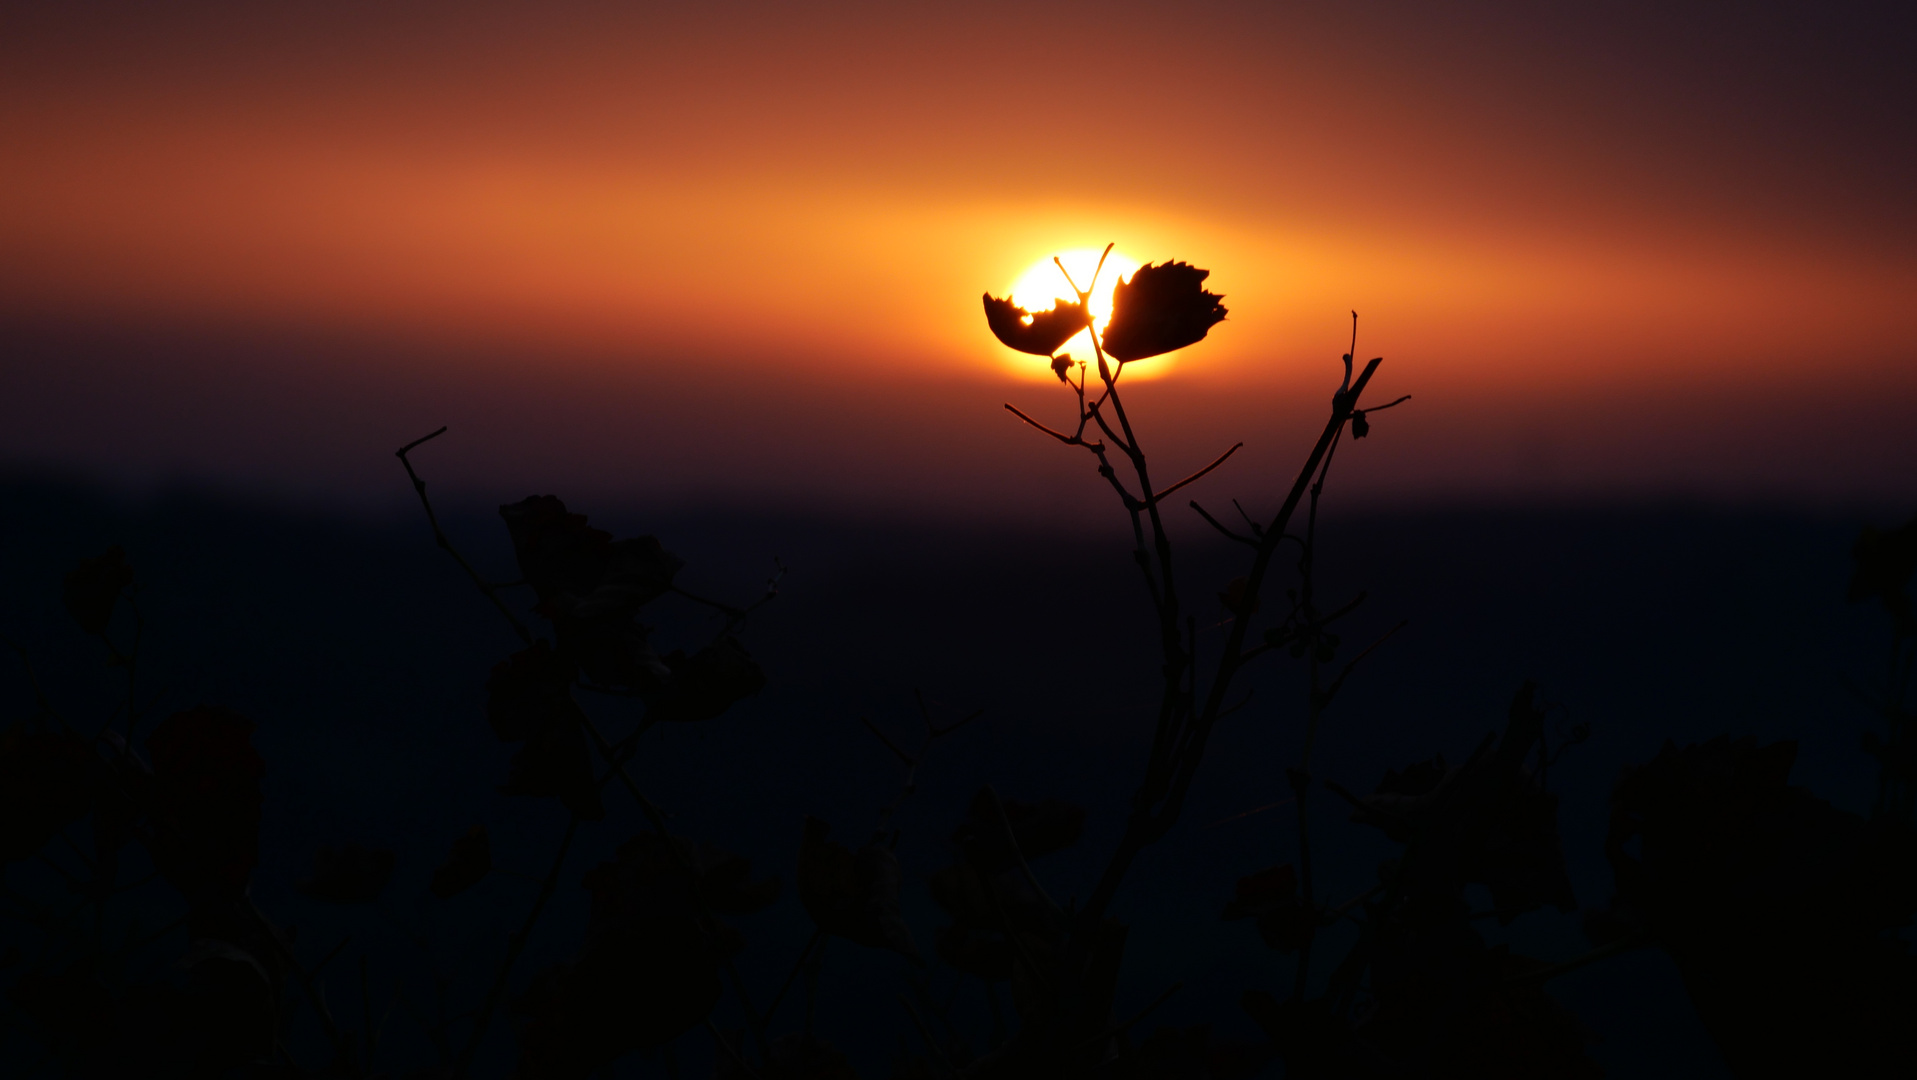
[[655, 816], [1068, 440], [1176, 754], [1141, 1014], [810, 944], [342, 1049], [513, 949], [1332, 691], [1222, 458], [1341, 910], [657, 819], [926, 1034], [1246, 540], [1011, 840], [439, 537], [1248, 813], [327, 959], [889, 744], [731, 1051]]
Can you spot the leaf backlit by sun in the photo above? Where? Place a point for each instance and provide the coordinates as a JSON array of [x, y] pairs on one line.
[[1042, 283]]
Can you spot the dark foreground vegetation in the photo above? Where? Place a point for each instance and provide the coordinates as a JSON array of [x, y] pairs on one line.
[[648, 862]]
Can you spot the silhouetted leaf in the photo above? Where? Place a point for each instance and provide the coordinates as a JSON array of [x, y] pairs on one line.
[[561, 556], [347, 874], [92, 588], [646, 972], [1360, 426], [1061, 365], [852, 895], [206, 783], [1161, 308], [612, 649], [47, 782], [529, 700], [1885, 563], [1494, 823], [1271, 897], [1776, 907], [705, 684], [469, 862], [1039, 333]]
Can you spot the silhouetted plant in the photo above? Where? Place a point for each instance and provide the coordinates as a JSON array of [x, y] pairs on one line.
[[1162, 308], [1775, 907]]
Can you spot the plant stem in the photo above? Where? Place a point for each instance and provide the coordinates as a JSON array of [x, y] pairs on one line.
[[1155, 808], [513, 949]]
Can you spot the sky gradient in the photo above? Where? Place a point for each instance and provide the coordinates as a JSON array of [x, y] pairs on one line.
[[736, 252]]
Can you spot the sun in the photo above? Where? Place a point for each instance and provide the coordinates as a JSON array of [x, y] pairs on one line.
[[1042, 283]]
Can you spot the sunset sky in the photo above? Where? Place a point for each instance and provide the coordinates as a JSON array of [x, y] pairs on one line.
[[732, 251]]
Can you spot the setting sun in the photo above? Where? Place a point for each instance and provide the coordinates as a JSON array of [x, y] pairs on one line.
[[1042, 283]]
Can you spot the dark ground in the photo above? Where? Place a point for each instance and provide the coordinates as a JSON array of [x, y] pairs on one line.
[[361, 652]]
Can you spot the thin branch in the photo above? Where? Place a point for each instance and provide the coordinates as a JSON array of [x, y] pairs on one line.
[[697, 599], [342, 1048], [1339, 682], [940, 733], [439, 537], [1159, 801], [1350, 354], [889, 744], [1141, 1014], [1242, 702], [926, 1034], [1011, 840], [513, 949], [731, 1051], [327, 959], [1257, 529], [1343, 611], [1222, 458], [1345, 908], [736, 615], [654, 815], [657, 818], [1248, 813], [810, 944], [1068, 440], [1246, 540]]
